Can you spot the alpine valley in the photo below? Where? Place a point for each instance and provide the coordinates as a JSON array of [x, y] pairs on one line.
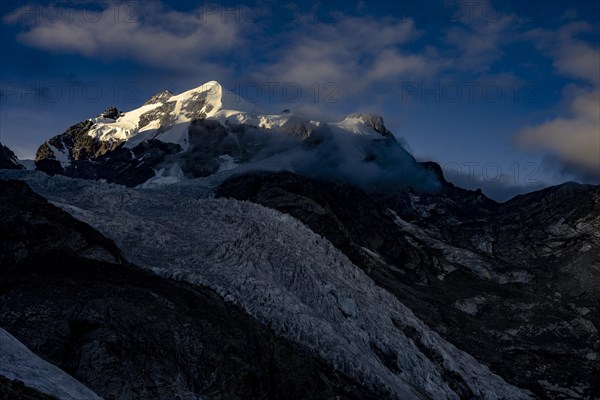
[[194, 248]]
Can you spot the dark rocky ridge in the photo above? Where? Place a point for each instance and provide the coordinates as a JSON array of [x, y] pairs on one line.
[[541, 328], [159, 97], [8, 159], [129, 167], [91, 158], [111, 112], [127, 333], [32, 226]]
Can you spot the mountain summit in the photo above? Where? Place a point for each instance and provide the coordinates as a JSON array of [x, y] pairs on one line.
[[167, 117]]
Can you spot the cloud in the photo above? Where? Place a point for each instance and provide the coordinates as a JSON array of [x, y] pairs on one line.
[[573, 137], [331, 154], [353, 52], [151, 35], [484, 28], [576, 58], [391, 64]]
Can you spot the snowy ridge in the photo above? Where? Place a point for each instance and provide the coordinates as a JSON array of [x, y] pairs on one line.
[[167, 118], [288, 277], [17, 362], [357, 125], [208, 130]]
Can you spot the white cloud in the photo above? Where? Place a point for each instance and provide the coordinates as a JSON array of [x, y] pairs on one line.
[[391, 64], [354, 53], [574, 57], [574, 137], [480, 36], [156, 36]]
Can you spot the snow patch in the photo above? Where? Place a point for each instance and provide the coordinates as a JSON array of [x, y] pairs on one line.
[[60, 156], [471, 305]]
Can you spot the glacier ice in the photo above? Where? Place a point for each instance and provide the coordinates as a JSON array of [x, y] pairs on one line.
[[289, 278]]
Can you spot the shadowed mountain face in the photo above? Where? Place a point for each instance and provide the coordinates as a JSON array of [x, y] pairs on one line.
[[69, 295], [8, 159], [77, 154], [512, 284]]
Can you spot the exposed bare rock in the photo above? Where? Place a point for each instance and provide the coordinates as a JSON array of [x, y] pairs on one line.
[[8, 159]]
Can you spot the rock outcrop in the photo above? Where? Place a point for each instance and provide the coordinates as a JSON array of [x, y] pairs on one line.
[[8, 159]]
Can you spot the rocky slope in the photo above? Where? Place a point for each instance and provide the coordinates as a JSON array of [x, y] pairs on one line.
[[521, 273]]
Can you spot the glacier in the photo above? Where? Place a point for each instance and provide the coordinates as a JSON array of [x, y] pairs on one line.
[[282, 273]]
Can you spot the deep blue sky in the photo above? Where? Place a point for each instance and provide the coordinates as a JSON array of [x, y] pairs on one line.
[[503, 94]]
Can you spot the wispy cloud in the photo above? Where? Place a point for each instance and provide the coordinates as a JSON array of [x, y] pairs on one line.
[[150, 34], [480, 34], [353, 52], [574, 136]]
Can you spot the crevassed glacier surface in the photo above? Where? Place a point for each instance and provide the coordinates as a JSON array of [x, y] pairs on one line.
[[285, 275]]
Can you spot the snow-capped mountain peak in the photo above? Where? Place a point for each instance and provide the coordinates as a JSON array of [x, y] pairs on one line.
[[209, 129], [166, 117], [220, 98]]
